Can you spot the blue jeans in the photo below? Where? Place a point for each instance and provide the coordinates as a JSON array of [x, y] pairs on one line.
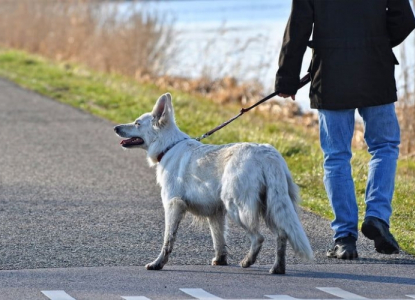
[[382, 136]]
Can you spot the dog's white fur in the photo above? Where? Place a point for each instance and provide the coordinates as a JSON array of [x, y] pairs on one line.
[[243, 180]]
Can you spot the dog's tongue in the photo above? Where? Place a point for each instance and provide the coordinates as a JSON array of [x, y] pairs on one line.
[[124, 142], [132, 141]]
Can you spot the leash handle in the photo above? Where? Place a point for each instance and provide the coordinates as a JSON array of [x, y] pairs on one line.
[[303, 81], [306, 79]]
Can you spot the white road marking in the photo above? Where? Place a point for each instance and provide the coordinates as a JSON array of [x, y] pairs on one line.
[[200, 294], [203, 295], [57, 295], [340, 293], [280, 297]]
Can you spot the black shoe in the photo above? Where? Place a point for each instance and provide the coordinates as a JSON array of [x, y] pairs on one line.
[[377, 230], [343, 248]]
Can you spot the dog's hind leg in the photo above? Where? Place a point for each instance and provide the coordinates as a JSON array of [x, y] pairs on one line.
[[217, 224], [250, 223], [279, 265], [174, 211], [256, 244]]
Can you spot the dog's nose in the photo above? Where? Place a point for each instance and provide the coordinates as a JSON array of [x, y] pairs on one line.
[[117, 129]]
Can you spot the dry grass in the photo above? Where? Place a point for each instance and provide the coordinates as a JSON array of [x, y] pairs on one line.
[[406, 104], [94, 33]]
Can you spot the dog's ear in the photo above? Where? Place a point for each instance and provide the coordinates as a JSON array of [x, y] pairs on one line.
[[163, 110]]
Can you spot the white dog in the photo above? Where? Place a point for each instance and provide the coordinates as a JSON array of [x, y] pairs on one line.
[[244, 180]]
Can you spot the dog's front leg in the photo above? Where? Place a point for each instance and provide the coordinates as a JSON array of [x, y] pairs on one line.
[[174, 211]]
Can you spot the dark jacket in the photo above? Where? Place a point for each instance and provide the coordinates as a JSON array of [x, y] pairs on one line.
[[353, 63]]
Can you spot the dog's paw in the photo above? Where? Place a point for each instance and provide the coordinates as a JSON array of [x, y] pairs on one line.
[[154, 266], [219, 262], [277, 270], [246, 262]]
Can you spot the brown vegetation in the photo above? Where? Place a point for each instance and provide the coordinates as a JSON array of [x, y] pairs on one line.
[[406, 104], [87, 32]]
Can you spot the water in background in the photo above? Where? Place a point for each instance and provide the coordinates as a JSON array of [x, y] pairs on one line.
[[238, 38]]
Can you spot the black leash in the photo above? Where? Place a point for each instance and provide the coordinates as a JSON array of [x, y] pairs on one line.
[[306, 79]]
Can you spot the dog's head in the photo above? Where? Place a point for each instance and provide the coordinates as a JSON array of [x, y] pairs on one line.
[[144, 131]]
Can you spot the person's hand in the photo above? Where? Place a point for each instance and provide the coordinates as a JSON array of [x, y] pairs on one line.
[[286, 96]]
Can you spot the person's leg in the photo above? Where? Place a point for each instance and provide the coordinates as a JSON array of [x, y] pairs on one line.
[[382, 135], [336, 133]]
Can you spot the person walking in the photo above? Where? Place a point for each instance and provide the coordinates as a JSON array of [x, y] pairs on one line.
[[352, 68]]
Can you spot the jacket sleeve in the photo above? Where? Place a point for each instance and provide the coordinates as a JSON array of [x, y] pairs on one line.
[[400, 20], [296, 36]]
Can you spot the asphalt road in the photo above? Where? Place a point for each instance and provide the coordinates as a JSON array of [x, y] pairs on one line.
[[71, 197], [231, 282]]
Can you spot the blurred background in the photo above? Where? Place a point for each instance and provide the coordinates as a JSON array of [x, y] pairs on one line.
[[226, 50]]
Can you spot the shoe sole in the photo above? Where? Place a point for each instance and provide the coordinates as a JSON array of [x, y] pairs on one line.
[[382, 245], [343, 255]]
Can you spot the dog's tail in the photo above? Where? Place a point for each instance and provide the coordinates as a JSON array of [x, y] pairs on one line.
[[282, 214]]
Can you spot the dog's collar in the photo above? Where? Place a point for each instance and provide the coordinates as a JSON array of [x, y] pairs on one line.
[[160, 156]]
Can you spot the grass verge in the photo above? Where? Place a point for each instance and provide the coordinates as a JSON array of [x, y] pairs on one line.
[[121, 100]]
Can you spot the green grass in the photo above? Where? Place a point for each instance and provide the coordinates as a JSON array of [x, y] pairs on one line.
[[121, 100]]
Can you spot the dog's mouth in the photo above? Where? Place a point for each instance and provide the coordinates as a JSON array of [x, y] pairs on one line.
[[131, 142]]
